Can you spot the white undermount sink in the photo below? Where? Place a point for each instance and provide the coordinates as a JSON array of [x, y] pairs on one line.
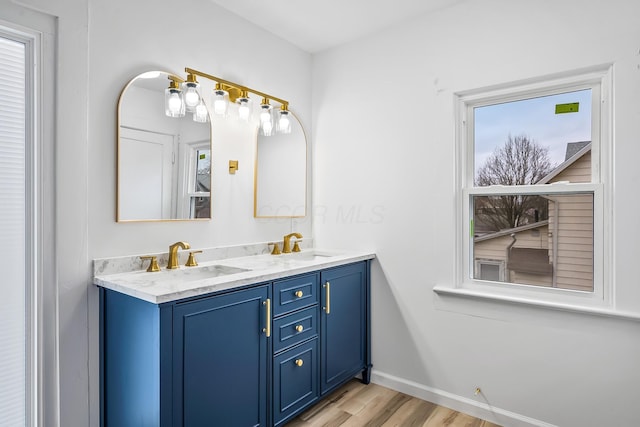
[[197, 273], [311, 255]]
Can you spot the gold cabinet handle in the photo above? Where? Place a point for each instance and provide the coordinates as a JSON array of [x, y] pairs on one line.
[[299, 362], [299, 328], [327, 289], [299, 294], [267, 329]]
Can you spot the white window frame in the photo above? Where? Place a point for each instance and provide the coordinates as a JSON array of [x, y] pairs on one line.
[[600, 81], [187, 180], [38, 32]]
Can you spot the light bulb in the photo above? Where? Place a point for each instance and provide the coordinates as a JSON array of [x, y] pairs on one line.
[[265, 116], [266, 120], [244, 110], [201, 114], [191, 97], [267, 128], [220, 102], [175, 103], [284, 123]]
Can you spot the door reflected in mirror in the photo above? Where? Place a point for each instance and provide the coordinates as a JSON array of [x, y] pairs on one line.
[[164, 163], [281, 174]]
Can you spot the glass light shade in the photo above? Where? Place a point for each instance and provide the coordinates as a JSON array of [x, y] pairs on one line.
[[284, 122], [173, 102], [201, 115], [266, 120], [220, 102], [191, 97], [244, 109]]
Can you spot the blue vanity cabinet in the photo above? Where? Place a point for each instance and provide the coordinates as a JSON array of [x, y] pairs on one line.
[[220, 360], [345, 338], [208, 360], [135, 357], [200, 362]]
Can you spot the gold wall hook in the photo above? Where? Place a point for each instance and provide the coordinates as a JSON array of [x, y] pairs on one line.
[[233, 166]]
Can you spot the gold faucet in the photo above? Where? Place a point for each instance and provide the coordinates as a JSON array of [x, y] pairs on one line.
[[286, 246], [173, 254]]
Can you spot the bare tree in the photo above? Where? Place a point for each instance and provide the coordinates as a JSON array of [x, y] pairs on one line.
[[520, 161]]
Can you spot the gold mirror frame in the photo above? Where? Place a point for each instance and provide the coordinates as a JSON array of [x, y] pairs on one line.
[[280, 174], [155, 188]]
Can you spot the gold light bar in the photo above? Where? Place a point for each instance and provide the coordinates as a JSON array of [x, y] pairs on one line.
[[236, 86]]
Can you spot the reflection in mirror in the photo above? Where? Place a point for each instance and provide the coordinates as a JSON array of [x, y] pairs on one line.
[[281, 174], [164, 163]]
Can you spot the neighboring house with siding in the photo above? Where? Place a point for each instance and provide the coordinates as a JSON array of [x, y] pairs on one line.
[[557, 252]]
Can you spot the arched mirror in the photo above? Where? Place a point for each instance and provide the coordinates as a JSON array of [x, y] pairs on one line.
[[280, 182], [164, 163]]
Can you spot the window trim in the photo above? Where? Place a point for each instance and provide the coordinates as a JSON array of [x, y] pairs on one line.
[[599, 79], [38, 31]]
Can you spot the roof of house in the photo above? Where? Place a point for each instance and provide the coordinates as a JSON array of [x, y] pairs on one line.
[[509, 231], [564, 165], [573, 148]]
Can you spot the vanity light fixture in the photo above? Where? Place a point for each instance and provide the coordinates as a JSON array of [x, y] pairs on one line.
[[226, 91], [173, 100], [191, 96]]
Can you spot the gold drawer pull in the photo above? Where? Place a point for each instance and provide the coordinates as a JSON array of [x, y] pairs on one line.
[[299, 328], [299, 362], [298, 294]]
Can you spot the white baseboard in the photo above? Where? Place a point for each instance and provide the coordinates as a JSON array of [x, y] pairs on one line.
[[455, 402]]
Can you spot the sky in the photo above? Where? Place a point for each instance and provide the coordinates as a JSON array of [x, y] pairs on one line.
[[535, 118]]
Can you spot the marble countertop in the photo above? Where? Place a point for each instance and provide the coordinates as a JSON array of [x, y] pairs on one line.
[[220, 274]]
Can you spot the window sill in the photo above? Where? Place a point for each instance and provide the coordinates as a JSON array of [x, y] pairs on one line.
[[573, 308]]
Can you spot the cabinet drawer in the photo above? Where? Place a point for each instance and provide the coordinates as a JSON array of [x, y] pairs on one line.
[[292, 294], [294, 328], [295, 380]]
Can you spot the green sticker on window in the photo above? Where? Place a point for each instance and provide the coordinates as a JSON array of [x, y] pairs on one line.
[[567, 108], [471, 228], [203, 156]]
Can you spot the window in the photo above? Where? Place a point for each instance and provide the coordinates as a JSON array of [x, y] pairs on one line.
[[533, 174], [13, 232], [195, 183], [489, 270]]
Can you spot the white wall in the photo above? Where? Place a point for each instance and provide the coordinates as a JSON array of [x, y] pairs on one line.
[[102, 44], [392, 141]]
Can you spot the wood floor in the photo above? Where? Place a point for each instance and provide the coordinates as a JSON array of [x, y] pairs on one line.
[[356, 404]]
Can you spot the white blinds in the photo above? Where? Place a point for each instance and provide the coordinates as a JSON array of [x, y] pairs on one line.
[[12, 234]]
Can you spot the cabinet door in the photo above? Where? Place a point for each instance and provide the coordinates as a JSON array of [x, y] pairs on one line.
[[295, 380], [220, 360], [343, 324]]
